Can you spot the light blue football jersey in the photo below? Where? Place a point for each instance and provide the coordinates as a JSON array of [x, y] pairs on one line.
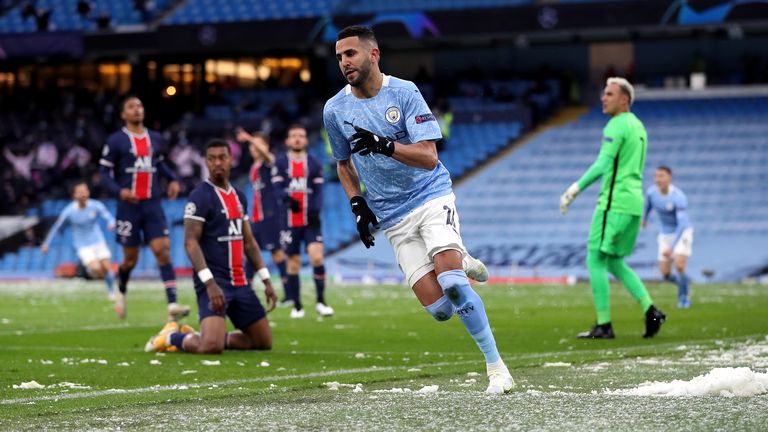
[[84, 223], [667, 207], [398, 112]]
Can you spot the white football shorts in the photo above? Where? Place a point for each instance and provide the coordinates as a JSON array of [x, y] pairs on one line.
[[427, 231], [94, 252], [684, 246]]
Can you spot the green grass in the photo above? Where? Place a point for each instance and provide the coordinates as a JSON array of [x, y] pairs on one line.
[[65, 331]]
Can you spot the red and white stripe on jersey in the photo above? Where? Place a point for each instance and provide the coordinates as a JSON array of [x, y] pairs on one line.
[[232, 207], [141, 186], [257, 215], [298, 169]]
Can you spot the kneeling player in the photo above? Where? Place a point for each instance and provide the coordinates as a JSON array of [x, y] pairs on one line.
[[216, 233]]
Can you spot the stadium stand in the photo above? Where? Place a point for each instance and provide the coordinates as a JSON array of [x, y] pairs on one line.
[[64, 15]]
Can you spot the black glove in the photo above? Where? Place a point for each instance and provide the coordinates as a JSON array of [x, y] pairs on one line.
[[291, 204], [367, 142], [313, 219], [365, 217]]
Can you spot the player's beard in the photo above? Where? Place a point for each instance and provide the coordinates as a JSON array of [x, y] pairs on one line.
[[363, 72]]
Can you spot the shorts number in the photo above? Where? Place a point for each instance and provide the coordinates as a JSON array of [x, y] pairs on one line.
[[450, 218], [286, 237], [124, 228]]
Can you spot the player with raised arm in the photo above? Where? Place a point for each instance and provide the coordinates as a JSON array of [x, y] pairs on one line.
[[83, 216], [409, 192], [130, 163], [616, 220], [265, 224], [216, 235], [675, 231], [298, 181]]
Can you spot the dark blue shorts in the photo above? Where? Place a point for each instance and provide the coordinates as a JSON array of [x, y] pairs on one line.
[[139, 223], [241, 305], [267, 233], [292, 238]]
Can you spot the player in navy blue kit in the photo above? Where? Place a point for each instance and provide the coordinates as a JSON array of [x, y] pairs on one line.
[[298, 181], [264, 220], [675, 231], [130, 164], [216, 236]]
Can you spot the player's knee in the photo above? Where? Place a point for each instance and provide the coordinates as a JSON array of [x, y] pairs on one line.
[[452, 282], [441, 310], [214, 347]]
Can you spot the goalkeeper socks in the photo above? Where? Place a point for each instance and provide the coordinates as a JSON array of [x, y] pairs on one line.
[[631, 281], [122, 277], [682, 286], [110, 279], [292, 290], [471, 311], [601, 290], [319, 276], [169, 280]]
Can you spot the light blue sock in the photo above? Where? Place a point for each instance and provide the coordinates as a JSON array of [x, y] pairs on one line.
[[682, 286], [110, 279], [471, 311]]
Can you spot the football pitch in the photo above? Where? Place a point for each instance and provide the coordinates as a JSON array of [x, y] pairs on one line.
[[382, 363]]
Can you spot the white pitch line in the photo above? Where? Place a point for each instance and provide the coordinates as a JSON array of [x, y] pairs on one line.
[[158, 388]]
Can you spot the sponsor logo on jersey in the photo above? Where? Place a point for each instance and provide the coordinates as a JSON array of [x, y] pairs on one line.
[[423, 118], [392, 115]]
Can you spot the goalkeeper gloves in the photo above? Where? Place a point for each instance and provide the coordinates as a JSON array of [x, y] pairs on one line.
[[292, 204], [366, 142], [364, 218], [568, 196]]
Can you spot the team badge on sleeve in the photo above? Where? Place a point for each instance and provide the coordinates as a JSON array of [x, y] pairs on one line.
[[393, 115]]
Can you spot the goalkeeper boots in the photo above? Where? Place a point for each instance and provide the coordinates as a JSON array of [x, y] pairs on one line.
[[654, 318], [474, 268], [599, 331]]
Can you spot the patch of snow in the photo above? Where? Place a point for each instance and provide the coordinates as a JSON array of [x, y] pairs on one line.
[[728, 382]]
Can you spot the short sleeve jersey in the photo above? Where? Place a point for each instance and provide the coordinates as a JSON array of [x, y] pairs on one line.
[[398, 112], [667, 206], [223, 213], [263, 205], [133, 159], [626, 143]]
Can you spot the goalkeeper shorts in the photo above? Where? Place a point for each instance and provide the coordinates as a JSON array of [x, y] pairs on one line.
[[613, 233]]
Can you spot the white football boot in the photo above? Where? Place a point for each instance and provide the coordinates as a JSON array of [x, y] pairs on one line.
[[474, 268], [323, 310], [499, 379], [297, 313]]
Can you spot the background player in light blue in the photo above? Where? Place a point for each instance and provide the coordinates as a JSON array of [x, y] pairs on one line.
[[83, 215], [675, 231], [409, 190]]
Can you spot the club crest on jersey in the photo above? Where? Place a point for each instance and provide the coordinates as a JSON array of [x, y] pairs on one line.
[[190, 209], [392, 115], [670, 206]]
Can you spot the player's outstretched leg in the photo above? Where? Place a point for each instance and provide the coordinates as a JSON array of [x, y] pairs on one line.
[[654, 318], [471, 310], [130, 257]]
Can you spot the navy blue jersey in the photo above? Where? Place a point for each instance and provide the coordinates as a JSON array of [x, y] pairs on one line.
[[302, 180], [263, 205], [135, 161], [223, 213]]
